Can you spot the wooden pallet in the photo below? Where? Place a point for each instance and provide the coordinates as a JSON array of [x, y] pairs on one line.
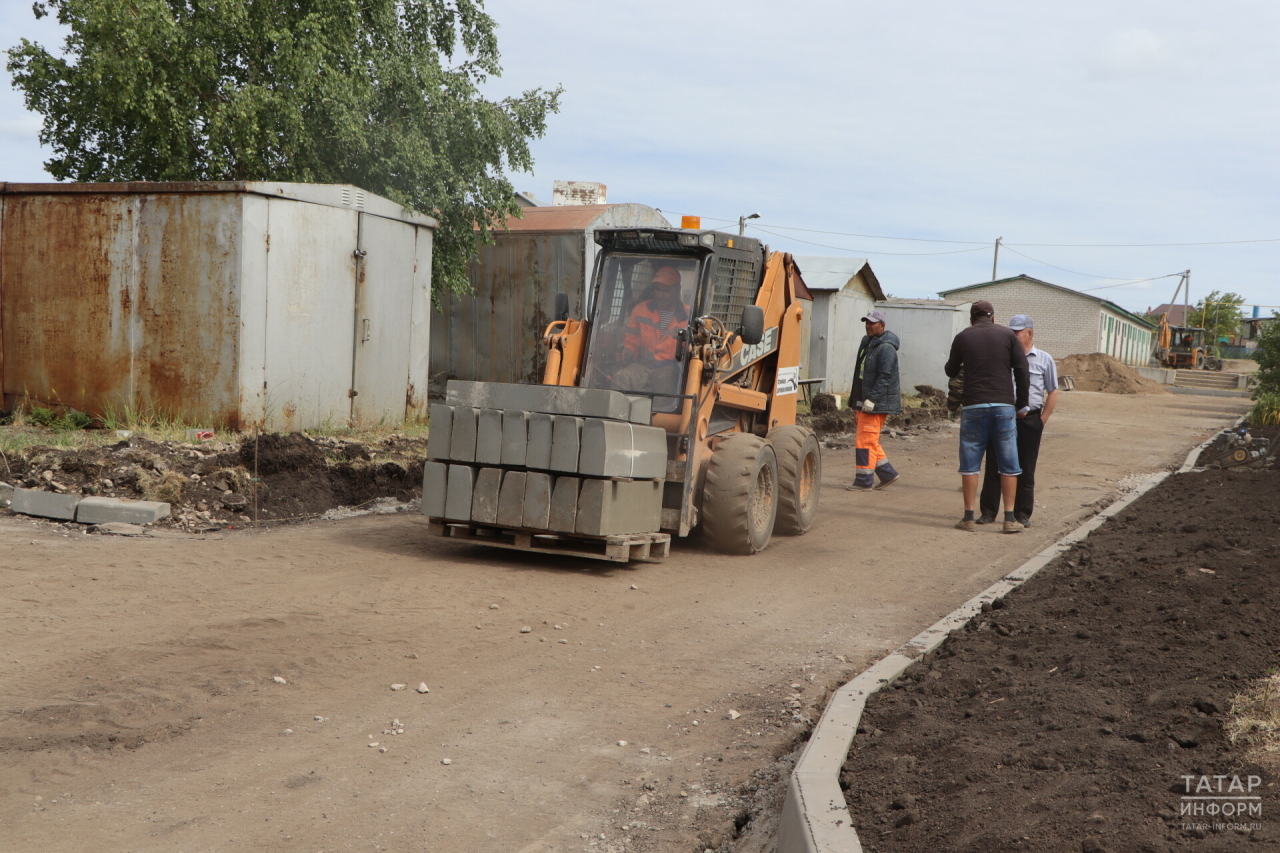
[[623, 548]]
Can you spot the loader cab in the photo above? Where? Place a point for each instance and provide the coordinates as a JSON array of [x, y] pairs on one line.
[[648, 288]]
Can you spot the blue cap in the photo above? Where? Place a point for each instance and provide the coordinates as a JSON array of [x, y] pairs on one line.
[[1020, 322]]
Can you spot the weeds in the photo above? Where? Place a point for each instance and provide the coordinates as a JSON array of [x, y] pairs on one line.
[[1254, 720], [1266, 410]]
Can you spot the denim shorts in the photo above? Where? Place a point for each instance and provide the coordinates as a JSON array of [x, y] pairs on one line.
[[977, 426]]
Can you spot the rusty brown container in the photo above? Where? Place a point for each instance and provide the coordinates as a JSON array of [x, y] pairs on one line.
[[229, 304]]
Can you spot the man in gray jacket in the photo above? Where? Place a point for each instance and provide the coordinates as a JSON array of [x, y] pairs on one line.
[[876, 394]]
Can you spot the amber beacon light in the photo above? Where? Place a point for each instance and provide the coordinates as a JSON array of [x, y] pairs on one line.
[[691, 222]]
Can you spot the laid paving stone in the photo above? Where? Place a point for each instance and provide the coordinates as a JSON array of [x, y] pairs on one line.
[[511, 499], [566, 441], [462, 438], [6, 494], [607, 507], [551, 399], [104, 510], [45, 504], [538, 446], [489, 437], [440, 432], [617, 449], [484, 500], [435, 483], [515, 437], [564, 504], [457, 501], [537, 501]]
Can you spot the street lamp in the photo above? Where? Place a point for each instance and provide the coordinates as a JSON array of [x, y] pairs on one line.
[[742, 223]]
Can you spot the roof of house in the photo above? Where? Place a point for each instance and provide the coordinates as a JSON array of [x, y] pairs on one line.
[[1177, 313], [1101, 302], [825, 273]]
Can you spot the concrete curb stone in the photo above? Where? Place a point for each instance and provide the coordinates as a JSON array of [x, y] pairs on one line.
[[45, 504]]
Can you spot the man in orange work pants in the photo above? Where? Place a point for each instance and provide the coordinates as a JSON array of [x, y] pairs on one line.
[[876, 394]]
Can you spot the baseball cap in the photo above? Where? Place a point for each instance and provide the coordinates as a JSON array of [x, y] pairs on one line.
[[666, 275], [982, 306], [1020, 322], [873, 317]]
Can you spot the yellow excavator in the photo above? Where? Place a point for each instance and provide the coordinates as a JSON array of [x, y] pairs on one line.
[[669, 407]]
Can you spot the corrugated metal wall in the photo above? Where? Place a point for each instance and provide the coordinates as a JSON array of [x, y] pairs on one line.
[[495, 333], [97, 298], [219, 304]]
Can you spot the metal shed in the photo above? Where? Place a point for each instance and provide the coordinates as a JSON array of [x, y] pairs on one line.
[[844, 289], [494, 334], [220, 303], [926, 328]]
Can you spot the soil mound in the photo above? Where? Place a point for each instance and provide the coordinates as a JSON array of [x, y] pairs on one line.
[[1098, 371], [270, 477]]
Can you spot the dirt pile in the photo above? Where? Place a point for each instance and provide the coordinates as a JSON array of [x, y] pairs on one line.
[[270, 477], [1097, 371], [1070, 715]]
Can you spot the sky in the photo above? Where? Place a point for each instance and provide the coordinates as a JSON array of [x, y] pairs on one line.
[[912, 134]]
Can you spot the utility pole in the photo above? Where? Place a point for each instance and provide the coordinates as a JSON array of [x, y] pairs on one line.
[[995, 262], [742, 223]]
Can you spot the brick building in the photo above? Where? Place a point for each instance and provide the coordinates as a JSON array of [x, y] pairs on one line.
[[1067, 321]]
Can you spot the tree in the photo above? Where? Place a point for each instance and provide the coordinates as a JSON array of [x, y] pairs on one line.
[[383, 94], [1218, 314], [1268, 357]]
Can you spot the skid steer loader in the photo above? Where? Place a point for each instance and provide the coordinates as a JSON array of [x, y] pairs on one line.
[[670, 407]]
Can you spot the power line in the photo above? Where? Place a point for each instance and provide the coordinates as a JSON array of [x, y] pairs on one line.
[[1064, 269], [981, 248], [880, 236], [988, 242], [1142, 245], [1132, 281]]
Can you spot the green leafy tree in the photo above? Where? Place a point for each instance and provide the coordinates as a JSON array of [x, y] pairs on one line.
[[383, 94], [1218, 314], [1268, 357]]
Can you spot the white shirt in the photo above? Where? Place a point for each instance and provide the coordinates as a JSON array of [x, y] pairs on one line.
[[1044, 377]]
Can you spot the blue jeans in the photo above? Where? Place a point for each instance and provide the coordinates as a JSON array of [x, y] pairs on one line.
[[997, 424]]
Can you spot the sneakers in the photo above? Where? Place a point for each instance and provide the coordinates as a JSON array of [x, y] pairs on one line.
[[888, 476], [986, 518], [1012, 527], [966, 524]]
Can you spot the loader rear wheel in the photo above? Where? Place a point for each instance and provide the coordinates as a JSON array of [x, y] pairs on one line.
[[740, 498], [799, 478]]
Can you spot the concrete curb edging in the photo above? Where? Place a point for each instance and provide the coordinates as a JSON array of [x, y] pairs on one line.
[[814, 816]]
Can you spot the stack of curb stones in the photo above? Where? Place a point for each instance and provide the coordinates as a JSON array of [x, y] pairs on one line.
[[565, 460]]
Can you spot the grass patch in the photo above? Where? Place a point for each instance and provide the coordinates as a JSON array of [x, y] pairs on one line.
[[1254, 721]]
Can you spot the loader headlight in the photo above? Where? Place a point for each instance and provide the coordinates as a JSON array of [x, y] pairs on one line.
[[709, 239], [688, 239]]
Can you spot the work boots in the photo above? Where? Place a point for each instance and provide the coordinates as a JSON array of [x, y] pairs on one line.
[[863, 482], [888, 476]]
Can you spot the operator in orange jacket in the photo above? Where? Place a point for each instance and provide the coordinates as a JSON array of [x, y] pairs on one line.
[[649, 348]]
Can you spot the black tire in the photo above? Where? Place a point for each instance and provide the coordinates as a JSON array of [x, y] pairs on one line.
[[740, 496], [799, 478], [1199, 361]]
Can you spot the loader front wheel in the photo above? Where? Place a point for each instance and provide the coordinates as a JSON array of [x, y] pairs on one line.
[[740, 497], [799, 478]]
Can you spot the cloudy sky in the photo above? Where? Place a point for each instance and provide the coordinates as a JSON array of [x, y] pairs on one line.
[[1081, 133]]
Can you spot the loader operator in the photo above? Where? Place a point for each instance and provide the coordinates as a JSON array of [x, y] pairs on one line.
[[649, 348]]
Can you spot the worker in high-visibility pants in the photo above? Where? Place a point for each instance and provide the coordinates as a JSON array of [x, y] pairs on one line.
[[876, 395]]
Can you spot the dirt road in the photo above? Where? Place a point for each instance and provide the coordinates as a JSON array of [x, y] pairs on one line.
[[224, 693]]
